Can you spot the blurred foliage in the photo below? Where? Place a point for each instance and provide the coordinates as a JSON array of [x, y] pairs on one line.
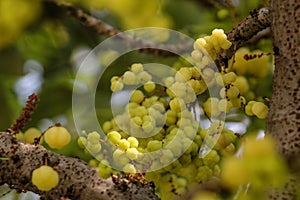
[[15, 16], [262, 166], [39, 31]]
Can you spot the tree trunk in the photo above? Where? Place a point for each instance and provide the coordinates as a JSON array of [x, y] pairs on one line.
[[284, 116]]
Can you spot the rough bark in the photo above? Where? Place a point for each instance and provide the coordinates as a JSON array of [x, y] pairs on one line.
[[77, 180], [242, 33], [284, 116]]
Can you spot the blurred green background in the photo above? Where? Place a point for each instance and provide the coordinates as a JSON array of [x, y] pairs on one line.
[[41, 47]]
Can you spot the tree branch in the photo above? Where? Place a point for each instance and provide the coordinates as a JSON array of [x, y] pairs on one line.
[[257, 21], [250, 26], [105, 29], [77, 180]]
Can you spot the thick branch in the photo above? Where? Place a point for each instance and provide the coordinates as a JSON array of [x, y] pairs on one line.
[[240, 35], [77, 180], [249, 27]]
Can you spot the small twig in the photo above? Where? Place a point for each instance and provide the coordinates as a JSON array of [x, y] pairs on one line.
[[258, 55], [25, 116]]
